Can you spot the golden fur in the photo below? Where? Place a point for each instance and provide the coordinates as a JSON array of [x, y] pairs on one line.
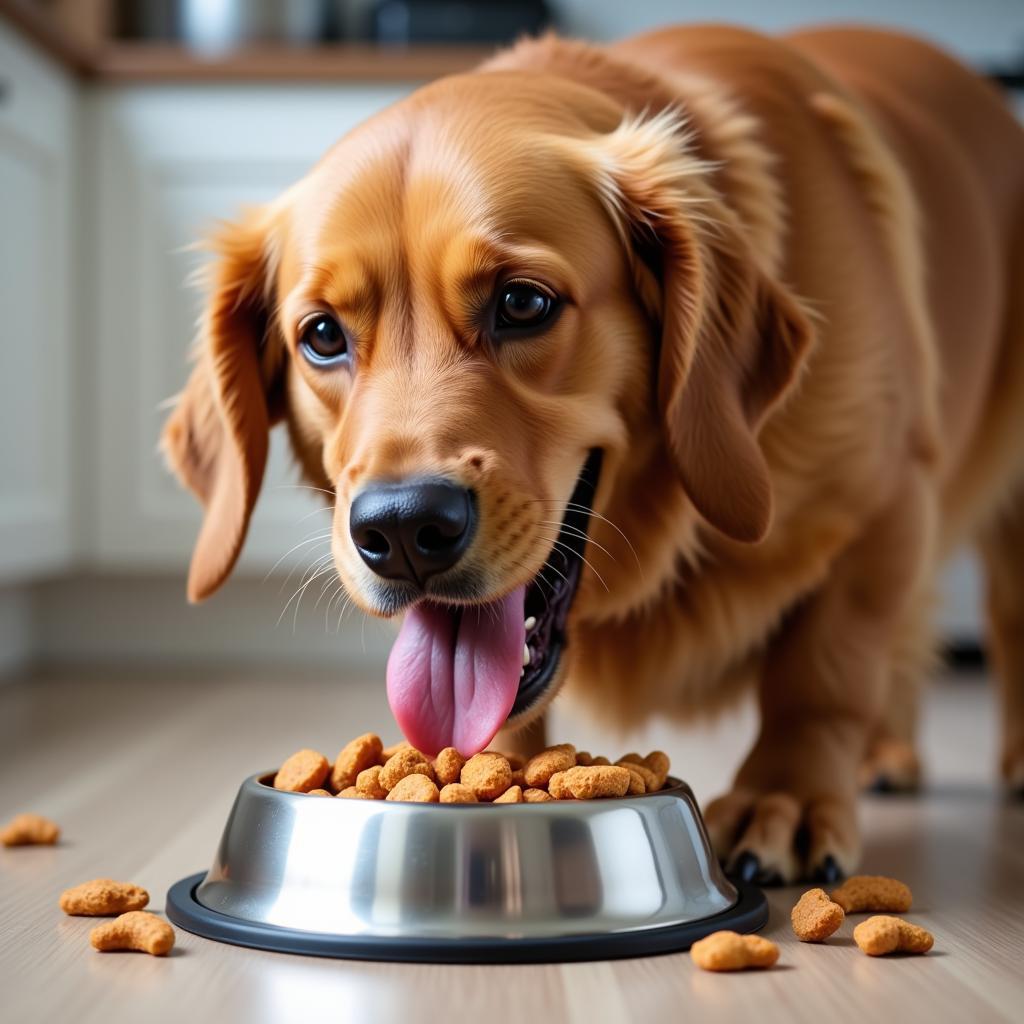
[[794, 325]]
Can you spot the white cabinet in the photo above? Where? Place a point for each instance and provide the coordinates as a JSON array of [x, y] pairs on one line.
[[40, 333], [168, 163]]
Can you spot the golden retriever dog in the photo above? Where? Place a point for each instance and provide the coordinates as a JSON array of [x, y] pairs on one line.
[[660, 371]]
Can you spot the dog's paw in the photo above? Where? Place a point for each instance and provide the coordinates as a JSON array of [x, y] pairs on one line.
[[779, 838], [891, 766]]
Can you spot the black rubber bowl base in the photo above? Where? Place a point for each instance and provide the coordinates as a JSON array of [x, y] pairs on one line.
[[748, 915]]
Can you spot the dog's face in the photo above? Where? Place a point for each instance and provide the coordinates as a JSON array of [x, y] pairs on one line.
[[478, 316]]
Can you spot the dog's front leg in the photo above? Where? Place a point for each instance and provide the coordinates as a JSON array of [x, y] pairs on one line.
[[792, 811]]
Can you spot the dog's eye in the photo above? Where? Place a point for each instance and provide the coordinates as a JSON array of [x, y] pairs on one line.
[[521, 305], [323, 341]]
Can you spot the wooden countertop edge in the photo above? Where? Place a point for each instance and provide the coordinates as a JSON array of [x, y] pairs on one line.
[[48, 36], [140, 62], [170, 63]]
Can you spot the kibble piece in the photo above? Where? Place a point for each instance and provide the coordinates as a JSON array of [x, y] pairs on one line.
[[539, 769], [657, 761], [408, 761], [559, 788], [457, 793], [102, 897], [584, 758], [873, 892], [415, 788], [488, 775], [730, 951], [631, 758], [353, 758], [650, 779], [352, 793], [536, 796], [448, 766], [388, 752], [30, 830], [636, 782], [599, 761], [512, 795], [137, 930], [592, 783], [303, 771], [368, 783], [319, 792], [815, 917], [878, 936]]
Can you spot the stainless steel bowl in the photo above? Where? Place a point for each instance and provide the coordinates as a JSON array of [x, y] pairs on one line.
[[583, 879]]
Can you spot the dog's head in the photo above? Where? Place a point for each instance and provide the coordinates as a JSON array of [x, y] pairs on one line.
[[480, 315]]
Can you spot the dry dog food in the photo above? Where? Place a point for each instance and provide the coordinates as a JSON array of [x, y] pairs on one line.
[[137, 930], [303, 771], [103, 897], [730, 951], [816, 917], [362, 753], [878, 936], [873, 893], [367, 770], [30, 830]]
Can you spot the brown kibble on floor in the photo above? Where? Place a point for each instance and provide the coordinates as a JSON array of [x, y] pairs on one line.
[[138, 930], [30, 830], [102, 897], [303, 771], [815, 917], [874, 893], [415, 788], [730, 951], [881, 935]]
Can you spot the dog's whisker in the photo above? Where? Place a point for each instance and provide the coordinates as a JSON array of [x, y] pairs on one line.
[[574, 532], [315, 512], [594, 515], [304, 487], [295, 547], [298, 593], [302, 591], [561, 544]]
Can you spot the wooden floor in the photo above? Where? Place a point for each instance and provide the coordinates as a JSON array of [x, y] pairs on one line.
[[141, 771]]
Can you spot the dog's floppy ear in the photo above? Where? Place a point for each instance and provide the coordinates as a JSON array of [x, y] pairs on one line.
[[217, 437], [732, 338]]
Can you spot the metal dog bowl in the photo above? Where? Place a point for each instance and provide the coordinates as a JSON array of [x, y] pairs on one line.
[[566, 880]]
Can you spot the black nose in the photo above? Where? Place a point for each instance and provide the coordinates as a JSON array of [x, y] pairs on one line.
[[414, 529]]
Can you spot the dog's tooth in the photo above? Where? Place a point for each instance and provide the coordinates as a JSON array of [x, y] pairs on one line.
[[526, 655], [522, 672], [530, 623]]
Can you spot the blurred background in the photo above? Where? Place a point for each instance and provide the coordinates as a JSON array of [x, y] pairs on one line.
[[126, 129]]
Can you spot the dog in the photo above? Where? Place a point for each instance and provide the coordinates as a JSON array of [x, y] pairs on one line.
[[662, 370]]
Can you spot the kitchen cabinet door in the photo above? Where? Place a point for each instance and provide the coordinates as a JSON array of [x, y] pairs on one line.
[[169, 162], [40, 338]]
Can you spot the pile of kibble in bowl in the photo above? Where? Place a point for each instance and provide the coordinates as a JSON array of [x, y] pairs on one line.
[[367, 770]]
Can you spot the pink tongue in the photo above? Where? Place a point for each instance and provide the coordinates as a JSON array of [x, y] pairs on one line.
[[454, 686]]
